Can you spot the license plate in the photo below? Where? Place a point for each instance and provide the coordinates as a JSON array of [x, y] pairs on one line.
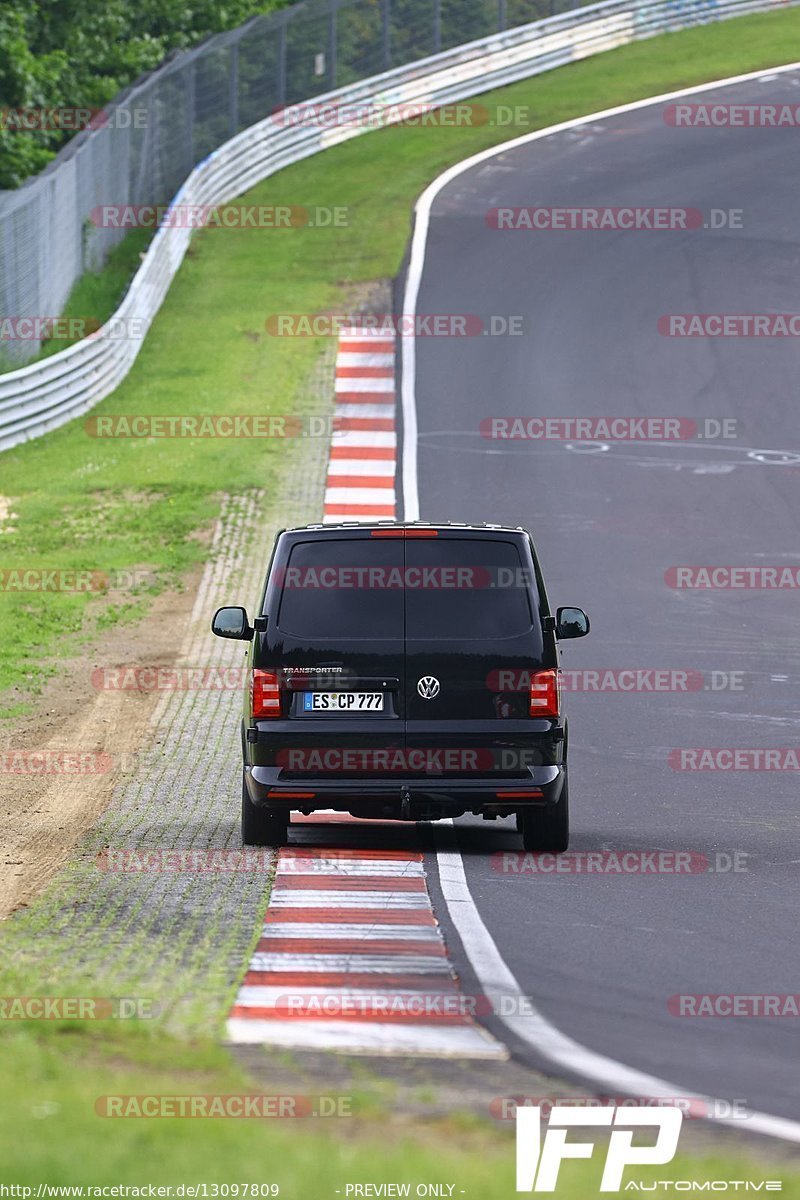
[[342, 701]]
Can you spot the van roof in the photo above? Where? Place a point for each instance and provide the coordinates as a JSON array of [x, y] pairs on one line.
[[445, 526]]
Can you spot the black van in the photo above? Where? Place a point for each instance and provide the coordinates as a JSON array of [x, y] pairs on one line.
[[404, 671]]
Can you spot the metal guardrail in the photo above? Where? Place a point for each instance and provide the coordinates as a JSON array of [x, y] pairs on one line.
[[142, 146], [46, 394]]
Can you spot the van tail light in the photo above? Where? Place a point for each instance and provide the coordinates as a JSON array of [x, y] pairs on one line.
[[265, 694], [545, 697], [404, 533], [530, 794]]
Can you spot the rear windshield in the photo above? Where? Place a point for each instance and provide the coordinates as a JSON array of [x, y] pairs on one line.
[[369, 589], [473, 589], [344, 589]]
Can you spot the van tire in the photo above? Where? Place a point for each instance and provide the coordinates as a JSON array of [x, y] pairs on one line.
[[262, 826], [546, 829]]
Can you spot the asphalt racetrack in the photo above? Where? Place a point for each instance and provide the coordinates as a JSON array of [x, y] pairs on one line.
[[601, 954]]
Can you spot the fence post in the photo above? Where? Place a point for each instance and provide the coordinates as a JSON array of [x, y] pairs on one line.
[[437, 26], [233, 90], [501, 15], [143, 186], [282, 65], [10, 276], [332, 44], [387, 41], [190, 103]]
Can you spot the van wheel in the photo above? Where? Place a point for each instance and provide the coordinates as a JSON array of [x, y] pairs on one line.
[[546, 828], [262, 826]]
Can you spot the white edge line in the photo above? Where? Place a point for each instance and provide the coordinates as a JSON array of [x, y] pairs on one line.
[[419, 241], [536, 1031], [485, 958]]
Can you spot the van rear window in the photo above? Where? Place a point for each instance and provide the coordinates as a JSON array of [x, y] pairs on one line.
[[370, 589], [470, 589], [344, 589]]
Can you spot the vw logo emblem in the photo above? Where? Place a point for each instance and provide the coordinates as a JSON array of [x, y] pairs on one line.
[[428, 687]]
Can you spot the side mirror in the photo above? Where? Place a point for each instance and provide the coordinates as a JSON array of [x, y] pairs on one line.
[[571, 623], [232, 622]]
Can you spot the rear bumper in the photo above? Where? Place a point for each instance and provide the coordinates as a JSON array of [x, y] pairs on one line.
[[406, 798]]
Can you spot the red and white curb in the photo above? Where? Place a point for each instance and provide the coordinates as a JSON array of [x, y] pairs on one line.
[[351, 958], [363, 456]]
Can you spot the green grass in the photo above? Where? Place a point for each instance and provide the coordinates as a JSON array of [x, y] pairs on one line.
[[51, 1132], [96, 295], [94, 934], [86, 503]]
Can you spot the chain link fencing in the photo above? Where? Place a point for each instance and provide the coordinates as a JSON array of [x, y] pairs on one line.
[[153, 134]]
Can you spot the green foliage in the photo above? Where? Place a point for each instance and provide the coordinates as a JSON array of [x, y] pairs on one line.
[[77, 54], [27, 79]]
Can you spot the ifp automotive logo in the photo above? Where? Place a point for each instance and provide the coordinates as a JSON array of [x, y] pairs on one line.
[[539, 1160]]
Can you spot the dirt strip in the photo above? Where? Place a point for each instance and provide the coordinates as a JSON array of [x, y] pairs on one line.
[[62, 763]]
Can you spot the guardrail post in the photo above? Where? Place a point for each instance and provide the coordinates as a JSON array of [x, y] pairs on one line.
[[437, 26], [501, 15]]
